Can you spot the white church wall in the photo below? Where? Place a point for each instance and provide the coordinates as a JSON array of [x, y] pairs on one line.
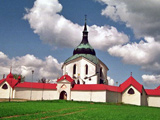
[[98, 96], [104, 71], [91, 71], [113, 97], [36, 94], [134, 99], [80, 70], [95, 96], [154, 101], [144, 98], [5, 93]]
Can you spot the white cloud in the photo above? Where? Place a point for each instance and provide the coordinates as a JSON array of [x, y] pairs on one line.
[[151, 79], [142, 16], [49, 68], [110, 81], [145, 54], [58, 31]]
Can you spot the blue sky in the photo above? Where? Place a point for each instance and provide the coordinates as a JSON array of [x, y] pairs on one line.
[[41, 35]]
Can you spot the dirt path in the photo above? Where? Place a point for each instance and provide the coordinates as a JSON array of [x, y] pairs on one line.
[[63, 114], [18, 100], [60, 110]]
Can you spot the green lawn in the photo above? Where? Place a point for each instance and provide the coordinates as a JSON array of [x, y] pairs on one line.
[[69, 110]]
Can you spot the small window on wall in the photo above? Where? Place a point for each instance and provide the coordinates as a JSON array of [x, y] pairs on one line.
[[130, 91], [100, 72], [5, 86], [74, 69], [86, 69]]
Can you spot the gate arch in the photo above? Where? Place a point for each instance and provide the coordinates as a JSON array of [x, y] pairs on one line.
[[63, 95]]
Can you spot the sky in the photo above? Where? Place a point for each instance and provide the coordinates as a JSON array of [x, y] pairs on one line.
[[40, 35]]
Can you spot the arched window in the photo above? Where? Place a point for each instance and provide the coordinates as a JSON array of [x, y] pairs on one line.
[[101, 72], [78, 82], [86, 69], [74, 69], [5, 86], [130, 91]]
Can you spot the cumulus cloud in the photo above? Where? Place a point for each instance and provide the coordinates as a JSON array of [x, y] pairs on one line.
[[49, 68], [142, 16], [110, 81], [151, 79], [55, 29], [145, 54]]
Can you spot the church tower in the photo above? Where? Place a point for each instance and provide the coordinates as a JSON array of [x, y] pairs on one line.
[[83, 66]]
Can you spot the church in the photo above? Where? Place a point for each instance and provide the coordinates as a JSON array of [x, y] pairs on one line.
[[84, 79]]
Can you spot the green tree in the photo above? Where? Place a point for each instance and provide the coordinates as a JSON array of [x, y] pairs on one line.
[[16, 77]]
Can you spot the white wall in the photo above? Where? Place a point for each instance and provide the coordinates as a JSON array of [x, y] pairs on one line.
[[80, 69], [5, 93], [104, 72], [134, 99], [154, 101], [144, 98], [36, 94], [96, 96], [113, 97]]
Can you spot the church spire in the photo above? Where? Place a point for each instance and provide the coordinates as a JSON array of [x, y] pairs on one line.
[[85, 25], [84, 47], [85, 32]]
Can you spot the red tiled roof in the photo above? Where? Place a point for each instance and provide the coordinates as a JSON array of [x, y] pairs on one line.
[[133, 82], [158, 88], [155, 92], [37, 85], [65, 77], [10, 79], [98, 87], [1, 81]]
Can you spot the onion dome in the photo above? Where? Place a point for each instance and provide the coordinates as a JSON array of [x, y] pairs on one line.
[[84, 47]]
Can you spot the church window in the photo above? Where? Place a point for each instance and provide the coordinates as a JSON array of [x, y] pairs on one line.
[[74, 69], [86, 69], [130, 91], [101, 72], [78, 82], [5, 86]]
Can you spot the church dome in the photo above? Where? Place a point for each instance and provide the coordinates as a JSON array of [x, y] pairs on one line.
[[84, 47]]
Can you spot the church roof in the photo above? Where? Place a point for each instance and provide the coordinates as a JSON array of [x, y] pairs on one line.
[[131, 81], [90, 57], [158, 88], [10, 79], [37, 85], [65, 77], [84, 49], [95, 87], [154, 92]]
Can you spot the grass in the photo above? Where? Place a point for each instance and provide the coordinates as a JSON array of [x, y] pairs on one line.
[[70, 110]]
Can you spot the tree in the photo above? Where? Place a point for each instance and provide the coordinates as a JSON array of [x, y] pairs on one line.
[[42, 80], [16, 77]]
